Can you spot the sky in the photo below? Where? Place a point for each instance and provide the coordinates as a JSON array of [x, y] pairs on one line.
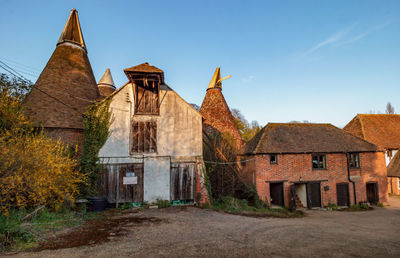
[[320, 61]]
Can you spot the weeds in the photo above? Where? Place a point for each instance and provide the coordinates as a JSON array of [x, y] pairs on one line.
[[163, 203], [241, 207], [17, 232]]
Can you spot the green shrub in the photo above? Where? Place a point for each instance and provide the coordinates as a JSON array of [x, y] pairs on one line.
[[163, 203], [380, 204], [332, 206], [364, 206]]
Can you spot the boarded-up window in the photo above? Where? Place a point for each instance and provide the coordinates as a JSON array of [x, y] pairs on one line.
[[147, 100], [144, 137]]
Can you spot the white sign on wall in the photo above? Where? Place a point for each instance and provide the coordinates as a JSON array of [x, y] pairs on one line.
[[130, 180]]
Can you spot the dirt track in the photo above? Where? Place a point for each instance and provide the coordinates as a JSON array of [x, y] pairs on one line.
[[196, 232]]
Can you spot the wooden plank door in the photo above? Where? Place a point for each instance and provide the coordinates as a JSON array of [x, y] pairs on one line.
[[276, 192], [372, 193], [313, 195], [183, 181], [342, 192]]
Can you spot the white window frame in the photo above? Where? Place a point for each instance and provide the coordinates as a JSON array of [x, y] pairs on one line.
[[398, 183]]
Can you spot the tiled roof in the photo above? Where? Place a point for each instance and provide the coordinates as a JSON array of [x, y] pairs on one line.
[[394, 166], [305, 138], [380, 129], [144, 68], [216, 113], [66, 86]]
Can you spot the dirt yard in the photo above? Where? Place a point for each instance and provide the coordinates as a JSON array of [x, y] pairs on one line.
[[196, 232]]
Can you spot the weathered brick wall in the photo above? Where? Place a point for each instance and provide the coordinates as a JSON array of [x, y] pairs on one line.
[[291, 167], [70, 136]]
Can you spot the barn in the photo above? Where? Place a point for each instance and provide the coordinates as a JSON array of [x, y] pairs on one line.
[[154, 151]]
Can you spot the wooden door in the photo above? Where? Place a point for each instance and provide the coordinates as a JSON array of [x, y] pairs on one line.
[[112, 187], [183, 181], [372, 193], [276, 192], [313, 195], [342, 192]]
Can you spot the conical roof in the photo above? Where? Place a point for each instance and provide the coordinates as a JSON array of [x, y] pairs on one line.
[[72, 31], [66, 86], [216, 112], [106, 84]]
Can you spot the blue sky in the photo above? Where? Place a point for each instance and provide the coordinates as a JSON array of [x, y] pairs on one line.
[[322, 61]]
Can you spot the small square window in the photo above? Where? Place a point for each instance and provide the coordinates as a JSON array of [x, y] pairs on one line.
[[318, 161], [273, 159], [398, 183], [354, 160]]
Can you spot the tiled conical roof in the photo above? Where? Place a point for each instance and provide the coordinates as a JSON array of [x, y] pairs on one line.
[[66, 86], [216, 111], [106, 84]]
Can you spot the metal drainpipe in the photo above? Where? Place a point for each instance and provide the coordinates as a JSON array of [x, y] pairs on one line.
[[348, 175]]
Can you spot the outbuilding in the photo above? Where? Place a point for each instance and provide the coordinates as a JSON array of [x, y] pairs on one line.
[[313, 165]]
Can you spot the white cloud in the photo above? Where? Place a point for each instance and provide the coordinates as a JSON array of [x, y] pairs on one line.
[[330, 40]]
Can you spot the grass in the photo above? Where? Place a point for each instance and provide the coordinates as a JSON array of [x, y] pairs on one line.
[[20, 233], [260, 209]]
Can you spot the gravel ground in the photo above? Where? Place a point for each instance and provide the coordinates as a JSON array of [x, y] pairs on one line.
[[197, 232]]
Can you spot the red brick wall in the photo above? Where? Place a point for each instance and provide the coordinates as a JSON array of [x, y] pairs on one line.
[[291, 167], [70, 136]]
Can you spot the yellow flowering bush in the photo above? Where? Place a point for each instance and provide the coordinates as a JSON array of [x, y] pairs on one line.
[[35, 170]]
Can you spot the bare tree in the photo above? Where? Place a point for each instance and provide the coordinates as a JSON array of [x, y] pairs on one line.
[[389, 108]]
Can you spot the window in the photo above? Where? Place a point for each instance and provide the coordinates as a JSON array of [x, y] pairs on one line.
[[147, 100], [273, 159], [318, 161], [398, 183], [144, 137], [354, 160]]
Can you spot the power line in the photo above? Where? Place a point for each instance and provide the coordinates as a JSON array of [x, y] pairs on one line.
[[36, 70], [20, 75]]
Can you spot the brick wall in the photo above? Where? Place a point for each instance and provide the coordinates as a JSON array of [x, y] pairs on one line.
[[70, 136], [291, 167]]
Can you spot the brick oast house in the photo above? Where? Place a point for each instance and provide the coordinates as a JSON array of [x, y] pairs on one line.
[[155, 137], [215, 111], [106, 84], [382, 130], [314, 164], [65, 88]]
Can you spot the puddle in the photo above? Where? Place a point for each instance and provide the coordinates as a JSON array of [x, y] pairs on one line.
[[100, 230]]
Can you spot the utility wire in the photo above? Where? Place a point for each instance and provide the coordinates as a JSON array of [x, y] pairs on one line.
[[20, 75], [36, 70]]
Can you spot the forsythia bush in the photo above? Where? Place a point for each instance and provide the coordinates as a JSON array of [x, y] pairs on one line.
[[35, 170]]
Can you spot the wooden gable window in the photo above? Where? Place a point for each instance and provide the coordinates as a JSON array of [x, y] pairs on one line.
[[144, 137], [147, 96], [319, 161], [354, 160]]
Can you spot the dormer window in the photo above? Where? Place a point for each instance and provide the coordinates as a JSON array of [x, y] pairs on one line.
[[147, 96]]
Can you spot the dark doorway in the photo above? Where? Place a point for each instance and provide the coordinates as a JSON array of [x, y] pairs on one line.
[[276, 192], [342, 191], [313, 195], [372, 193]]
